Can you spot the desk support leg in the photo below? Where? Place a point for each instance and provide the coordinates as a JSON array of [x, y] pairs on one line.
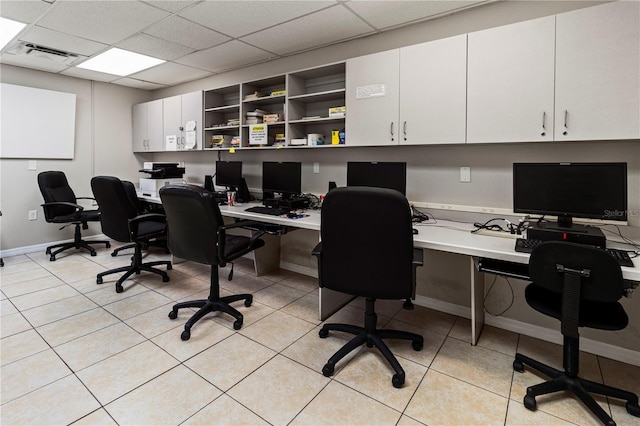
[[477, 301]]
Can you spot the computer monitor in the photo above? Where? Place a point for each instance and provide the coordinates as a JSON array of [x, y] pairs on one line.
[[229, 174], [284, 178], [381, 174], [567, 190]]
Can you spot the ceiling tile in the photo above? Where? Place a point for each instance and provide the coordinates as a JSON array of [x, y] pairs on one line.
[[61, 41], [153, 46], [104, 21], [186, 33], [385, 14], [23, 11], [170, 74], [238, 18], [89, 74], [320, 28], [33, 62], [138, 84], [171, 6], [226, 56]]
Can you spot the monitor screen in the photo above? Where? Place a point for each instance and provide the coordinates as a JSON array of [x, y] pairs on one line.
[[566, 190], [282, 177], [391, 175], [228, 173]]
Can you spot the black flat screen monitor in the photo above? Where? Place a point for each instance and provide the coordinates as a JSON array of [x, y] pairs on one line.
[[567, 190], [381, 174], [284, 178], [229, 174]]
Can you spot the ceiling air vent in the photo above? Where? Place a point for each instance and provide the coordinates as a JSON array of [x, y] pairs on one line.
[[23, 48]]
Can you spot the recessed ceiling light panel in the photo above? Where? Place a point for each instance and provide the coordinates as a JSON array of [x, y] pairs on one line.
[[120, 62], [8, 30]]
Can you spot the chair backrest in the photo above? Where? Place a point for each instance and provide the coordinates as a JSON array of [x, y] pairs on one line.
[[55, 188], [604, 282], [130, 190], [115, 207], [367, 243], [193, 219]]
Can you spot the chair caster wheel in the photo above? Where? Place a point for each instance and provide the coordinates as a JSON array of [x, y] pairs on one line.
[[397, 381], [114, 254], [518, 366], [99, 280], [530, 402], [52, 258], [248, 301], [169, 267], [165, 279], [186, 335], [369, 344], [323, 333], [119, 288], [93, 253], [108, 244], [417, 345], [237, 324], [327, 370], [173, 314], [633, 409]]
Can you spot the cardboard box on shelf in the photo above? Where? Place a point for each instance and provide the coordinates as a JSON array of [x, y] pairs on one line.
[[337, 112]]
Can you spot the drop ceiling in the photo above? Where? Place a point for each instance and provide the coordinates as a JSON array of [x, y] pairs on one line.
[[200, 38]]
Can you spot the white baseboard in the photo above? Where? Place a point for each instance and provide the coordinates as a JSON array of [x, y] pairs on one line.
[[554, 336], [43, 246]]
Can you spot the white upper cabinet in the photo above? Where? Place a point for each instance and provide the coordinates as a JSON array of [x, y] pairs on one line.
[[182, 120], [598, 73], [147, 127], [433, 92], [372, 99], [511, 82]]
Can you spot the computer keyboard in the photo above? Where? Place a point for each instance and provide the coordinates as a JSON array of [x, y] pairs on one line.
[[527, 246], [273, 211]]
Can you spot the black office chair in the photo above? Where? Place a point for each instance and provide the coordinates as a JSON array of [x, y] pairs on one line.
[[367, 250], [121, 221], [197, 233], [61, 206], [580, 286]]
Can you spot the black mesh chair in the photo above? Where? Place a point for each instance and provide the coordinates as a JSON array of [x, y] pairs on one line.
[[61, 206], [121, 221], [580, 286], [367, 250], [198, 233]]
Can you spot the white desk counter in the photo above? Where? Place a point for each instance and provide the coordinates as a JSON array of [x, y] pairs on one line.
[[442, 235]]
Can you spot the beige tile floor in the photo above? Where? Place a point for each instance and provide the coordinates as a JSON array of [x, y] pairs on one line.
[[73, 352]]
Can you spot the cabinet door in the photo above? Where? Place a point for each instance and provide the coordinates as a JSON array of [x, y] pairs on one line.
[[511, 82], [433, 102], [372, 99], [172, 118], [139, 129], [192, 111], [598, 73], [154, 126]]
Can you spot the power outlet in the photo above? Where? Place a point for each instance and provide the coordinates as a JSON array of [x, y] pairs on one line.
[[465, 174], [316, 167], [33, 214]]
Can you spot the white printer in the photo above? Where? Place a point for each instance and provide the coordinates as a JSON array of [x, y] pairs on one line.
[[161, 174]]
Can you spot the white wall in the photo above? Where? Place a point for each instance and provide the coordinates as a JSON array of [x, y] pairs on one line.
[[102, 146]]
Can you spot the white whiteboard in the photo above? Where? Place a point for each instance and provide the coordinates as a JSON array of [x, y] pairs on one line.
[[36, 123]]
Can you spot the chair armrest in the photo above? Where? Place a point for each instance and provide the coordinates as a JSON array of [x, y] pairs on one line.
[[78, 208], [147, 217], [317, 250], [88, 198], [418, 259]]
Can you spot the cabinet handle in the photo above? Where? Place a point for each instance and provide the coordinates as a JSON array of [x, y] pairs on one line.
[[566, 113], [404, 129], [544, 121], [392, 138]]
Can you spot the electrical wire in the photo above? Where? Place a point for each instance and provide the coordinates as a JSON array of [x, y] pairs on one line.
[[484, 301]]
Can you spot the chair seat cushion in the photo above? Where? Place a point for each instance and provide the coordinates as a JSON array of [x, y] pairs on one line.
[[90, 215], [593, 314], [236, 244], [150, 229]]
